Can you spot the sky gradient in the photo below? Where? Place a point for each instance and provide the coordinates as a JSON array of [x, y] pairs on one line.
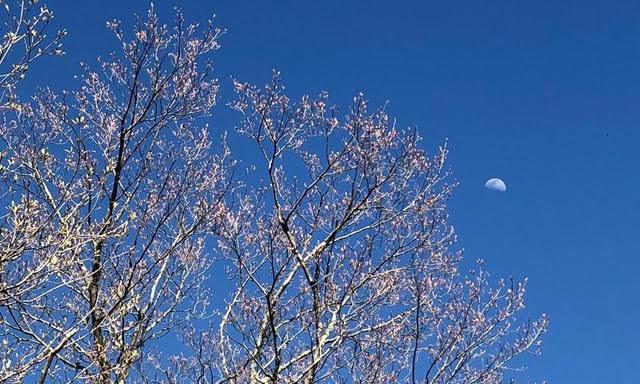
[[544, 95]]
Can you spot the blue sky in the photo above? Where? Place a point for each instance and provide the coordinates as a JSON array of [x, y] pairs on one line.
[[545, 95]]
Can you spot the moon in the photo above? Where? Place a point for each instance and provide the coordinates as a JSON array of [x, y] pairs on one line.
[[495, 184]]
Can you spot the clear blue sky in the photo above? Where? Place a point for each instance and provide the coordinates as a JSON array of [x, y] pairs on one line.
[[544, 94]]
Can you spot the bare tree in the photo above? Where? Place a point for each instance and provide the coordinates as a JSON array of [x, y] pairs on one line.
[[24, 40], [113, 189], [24, 27], [335, 244], [342, 261]]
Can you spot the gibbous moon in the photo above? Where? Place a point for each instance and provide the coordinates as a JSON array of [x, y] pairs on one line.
[[495, 184]]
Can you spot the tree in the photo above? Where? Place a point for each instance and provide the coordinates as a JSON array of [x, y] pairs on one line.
[[112, 190], [24, 40], [335, 242]]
